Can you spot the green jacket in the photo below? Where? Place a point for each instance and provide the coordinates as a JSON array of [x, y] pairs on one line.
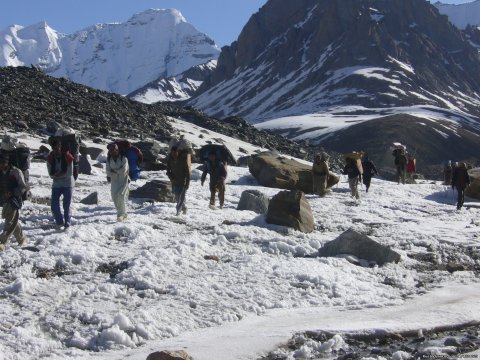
[[179, 170]]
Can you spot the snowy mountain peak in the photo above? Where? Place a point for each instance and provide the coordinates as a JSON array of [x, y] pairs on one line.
[[117, 57]]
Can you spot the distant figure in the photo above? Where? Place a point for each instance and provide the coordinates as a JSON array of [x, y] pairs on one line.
[[448, 173], [218, 174], [460, 181], [351, 170], [179, 164], [117, 171], [320, 174], [411, 166], [369, 171], [400, 164], [12, 189], [60, 169]]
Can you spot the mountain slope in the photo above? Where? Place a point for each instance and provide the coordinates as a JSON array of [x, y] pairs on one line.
[[461, 15], [120, 57], [176, 88], [310, 56]]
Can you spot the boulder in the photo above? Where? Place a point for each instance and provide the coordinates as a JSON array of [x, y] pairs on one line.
[[151, 151], [156, 190], [91, 199], [473, 190], [360, 246], [253, 200], [92, 151], [244, 161], [291, 208], [169, 355], [275, 171], [84, 166]]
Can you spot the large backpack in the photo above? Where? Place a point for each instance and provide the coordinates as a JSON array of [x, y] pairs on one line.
[[70, 142], [134, 157], [18, 153]]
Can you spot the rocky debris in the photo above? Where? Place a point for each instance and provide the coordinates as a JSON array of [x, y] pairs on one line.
[[253, 200], [291, 209], [112, 268], [91, 199], [169, 355], [212, 257], [444, 342], [360, 246], [274, 171], [156, 190], [84, 166]]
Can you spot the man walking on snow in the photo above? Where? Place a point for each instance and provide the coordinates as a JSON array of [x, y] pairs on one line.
[[218, 174], [179, 168], [12, 188], [117, 172], [460, 181]]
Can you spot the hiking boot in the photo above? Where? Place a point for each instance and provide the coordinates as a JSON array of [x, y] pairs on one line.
[[212, 207], [2, 247], [178, 212], [184, 211], [66, 226]]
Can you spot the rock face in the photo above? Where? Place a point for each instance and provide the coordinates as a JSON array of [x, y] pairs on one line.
[[361, 246], [253, 200], [169, 355], [307, 55], [291, 208], [271, 170], [155, 190]]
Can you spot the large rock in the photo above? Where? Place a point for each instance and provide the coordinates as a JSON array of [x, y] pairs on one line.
[[91, 199], [473, 190], [253, 200], [361, 246], [275, 171], [169, 355], [156, 190], [291, 208]]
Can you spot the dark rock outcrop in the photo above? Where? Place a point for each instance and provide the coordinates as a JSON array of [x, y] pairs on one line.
[[91, 199]]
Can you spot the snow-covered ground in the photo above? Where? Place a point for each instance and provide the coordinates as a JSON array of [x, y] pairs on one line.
[[61, 302]]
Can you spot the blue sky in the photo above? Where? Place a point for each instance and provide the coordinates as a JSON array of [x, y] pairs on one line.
[[220, 19]]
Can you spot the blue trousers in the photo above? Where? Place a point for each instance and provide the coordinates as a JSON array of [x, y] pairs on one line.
[[67, 200]]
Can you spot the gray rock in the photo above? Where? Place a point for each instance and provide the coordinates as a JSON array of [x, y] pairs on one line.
[[253, 200], [156, 190], [91, 199], [169, 355], [361, 246], [92, 151], [291, 208]]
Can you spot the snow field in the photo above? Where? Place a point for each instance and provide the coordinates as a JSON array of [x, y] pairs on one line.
[[162, 287]]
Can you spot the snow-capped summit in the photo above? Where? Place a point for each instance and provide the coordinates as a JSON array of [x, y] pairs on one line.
[[117, 57], [461, 15]]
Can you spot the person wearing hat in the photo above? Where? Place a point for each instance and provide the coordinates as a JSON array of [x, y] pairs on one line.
[[12, 189], [117, 172], [218, 174], [60, 169]]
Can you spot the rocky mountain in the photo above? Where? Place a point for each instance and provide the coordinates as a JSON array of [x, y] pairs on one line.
[[30, 100], [176, 88], [461, 15], [311, 55], [120, 57]]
